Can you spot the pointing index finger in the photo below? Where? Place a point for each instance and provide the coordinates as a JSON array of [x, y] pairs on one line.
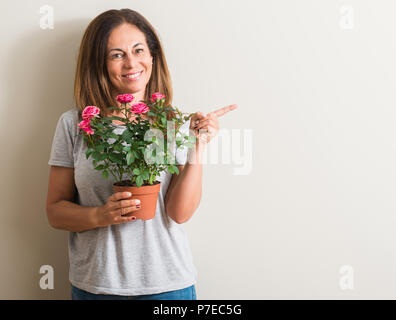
[[222, 111]]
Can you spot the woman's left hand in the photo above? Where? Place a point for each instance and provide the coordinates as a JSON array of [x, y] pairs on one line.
[[206, 127]]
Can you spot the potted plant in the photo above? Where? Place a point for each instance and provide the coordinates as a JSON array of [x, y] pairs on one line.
[[145, 148]]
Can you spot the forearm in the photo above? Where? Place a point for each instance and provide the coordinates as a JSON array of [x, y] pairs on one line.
[[187, 192], [66, 215]]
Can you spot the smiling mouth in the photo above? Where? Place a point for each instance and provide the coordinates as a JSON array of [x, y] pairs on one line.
[[133, 76]]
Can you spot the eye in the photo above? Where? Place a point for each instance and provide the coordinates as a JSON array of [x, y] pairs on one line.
[[116, 55], [139, 49]]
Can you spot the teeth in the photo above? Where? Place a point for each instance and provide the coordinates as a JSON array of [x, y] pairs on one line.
[[133, 75]]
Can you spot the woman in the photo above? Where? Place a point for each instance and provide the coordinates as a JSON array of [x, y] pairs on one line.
[[112, 254]]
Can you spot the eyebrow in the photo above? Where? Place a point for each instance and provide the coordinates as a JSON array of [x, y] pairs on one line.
[[122, 50]]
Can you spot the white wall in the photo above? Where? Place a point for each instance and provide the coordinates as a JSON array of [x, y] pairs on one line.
[[318, 97]]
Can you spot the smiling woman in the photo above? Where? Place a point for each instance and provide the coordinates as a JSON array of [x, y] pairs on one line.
[[116, 45], [112, 255], [129, 62]]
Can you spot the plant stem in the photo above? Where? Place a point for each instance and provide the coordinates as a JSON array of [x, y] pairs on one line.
[[114, 176], [120, 174], [90, 139]]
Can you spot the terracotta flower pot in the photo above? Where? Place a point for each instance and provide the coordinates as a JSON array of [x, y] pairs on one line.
[[146, 194]]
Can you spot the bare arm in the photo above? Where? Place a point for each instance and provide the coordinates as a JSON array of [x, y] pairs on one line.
[[62, 213], [185, 190]]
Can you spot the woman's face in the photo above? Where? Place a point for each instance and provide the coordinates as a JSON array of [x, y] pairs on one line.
[[129, 62]]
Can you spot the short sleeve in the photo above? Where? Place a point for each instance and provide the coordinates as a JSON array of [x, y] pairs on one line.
[[63, 142], [182, 152]]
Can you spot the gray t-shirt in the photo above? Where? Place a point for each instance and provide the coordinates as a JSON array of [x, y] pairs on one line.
[[134, 258]]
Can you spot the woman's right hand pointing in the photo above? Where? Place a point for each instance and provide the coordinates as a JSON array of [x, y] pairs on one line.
[[207, 127]]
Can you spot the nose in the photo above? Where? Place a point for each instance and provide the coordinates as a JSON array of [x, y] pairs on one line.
[[130, 61]]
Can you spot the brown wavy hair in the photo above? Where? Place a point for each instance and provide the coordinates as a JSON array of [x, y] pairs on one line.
[[92, 86]]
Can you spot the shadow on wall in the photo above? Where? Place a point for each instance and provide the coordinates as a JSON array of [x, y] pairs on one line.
[[40, 75]]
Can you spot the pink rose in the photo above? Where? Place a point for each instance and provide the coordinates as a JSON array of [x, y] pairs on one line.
[[90, 112], [86, 126], [140, 108], [125, 98], [157, 96]]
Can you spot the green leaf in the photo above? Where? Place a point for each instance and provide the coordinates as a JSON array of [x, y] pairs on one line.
[[126, 135], [114, 136], [130, 158], [173, 169], [116, 157], [119, 148], [145, 175], [96, 155], [136, 171], [99, 156], [100, 148], [105, 174], [115, 118], [151, 113], [102, 156], [139, 181], [88, 152], [100, 167], [136, 154]]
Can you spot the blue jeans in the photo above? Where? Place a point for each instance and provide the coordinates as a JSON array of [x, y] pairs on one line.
[[182, 294]]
